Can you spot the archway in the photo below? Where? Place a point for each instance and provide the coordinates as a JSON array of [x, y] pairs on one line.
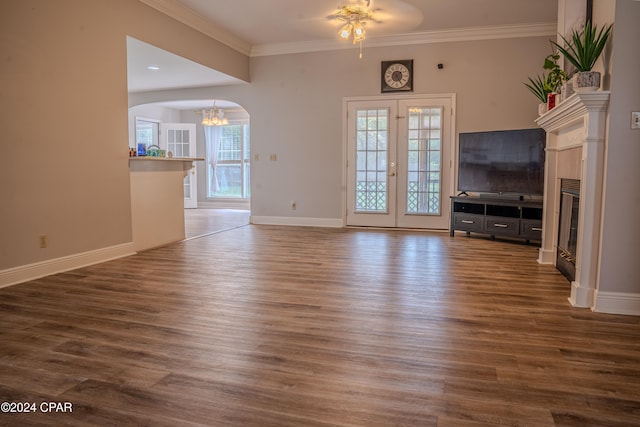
[[223, 178]]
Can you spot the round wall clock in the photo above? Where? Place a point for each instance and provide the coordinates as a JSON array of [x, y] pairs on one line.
[[397, 76]]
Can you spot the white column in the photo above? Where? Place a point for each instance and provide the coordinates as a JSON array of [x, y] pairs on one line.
[[589, 220], [585, 111], [547, 251]]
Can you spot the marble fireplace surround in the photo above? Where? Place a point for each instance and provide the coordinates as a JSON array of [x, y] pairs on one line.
[[576, 149]]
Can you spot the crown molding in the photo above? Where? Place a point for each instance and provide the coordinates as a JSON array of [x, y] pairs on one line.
[[440, 36], [188, 17], [183, 14]]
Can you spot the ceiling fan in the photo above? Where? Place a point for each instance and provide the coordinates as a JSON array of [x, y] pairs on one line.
[[355, 17]]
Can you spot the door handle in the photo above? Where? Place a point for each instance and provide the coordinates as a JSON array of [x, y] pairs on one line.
[[392, 174]]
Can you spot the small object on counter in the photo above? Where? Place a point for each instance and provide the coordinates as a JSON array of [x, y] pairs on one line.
[[155, 151], [142, 149]]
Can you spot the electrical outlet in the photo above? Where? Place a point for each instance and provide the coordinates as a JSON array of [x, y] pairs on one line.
[[273, 157], [43, 241], [635, 120]]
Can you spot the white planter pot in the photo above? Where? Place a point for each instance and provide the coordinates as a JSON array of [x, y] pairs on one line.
[[542, 108], [586, 81], [567, 90]]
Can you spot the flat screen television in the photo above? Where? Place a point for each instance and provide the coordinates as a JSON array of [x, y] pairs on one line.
[[509, 161]]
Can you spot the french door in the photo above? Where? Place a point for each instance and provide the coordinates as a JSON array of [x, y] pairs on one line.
[[399, 155], [180, 140]]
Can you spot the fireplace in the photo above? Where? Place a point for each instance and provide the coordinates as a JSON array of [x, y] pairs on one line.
[[568, 227], [575, 149]]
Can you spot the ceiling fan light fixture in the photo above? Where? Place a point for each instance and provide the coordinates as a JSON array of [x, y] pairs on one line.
[[355, 17], [358, 32], [345, 31]]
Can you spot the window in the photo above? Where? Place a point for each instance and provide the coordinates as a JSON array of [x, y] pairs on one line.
[[147, 131], [228, 162]]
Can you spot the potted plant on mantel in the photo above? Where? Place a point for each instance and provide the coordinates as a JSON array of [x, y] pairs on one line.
[[546, 88], [582, 51], [540, 88], [556, 78]]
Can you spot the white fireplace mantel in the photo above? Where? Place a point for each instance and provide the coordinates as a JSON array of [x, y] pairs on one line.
[[574, 109], [578, 124]]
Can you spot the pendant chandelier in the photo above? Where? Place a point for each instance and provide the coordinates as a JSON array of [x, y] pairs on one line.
[[214, 117], [355, 17]]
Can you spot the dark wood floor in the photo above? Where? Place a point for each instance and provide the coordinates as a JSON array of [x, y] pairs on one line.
[[277, 326]]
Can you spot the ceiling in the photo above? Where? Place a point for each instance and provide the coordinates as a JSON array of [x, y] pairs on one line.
[[259, 28], [169, 71], [265, 23]]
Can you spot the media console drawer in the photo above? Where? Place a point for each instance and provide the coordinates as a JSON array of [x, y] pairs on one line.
[[531, 229], [501, 225], [468, 222]]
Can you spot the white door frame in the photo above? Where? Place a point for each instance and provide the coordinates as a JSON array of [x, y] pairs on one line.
[[448, 189]]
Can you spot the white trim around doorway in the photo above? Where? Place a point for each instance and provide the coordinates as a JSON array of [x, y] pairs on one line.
[[397, 97]]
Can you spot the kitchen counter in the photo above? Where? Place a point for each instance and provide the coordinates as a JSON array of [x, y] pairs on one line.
[[157, 199]]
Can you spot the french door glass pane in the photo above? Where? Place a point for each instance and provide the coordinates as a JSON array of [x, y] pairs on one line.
[[187, 187], [372, 137], [424, 160], [178, 142]]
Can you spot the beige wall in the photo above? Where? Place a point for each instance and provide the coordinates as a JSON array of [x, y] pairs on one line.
[[619, 267], [63, 98], [296, 101], [301, 97]]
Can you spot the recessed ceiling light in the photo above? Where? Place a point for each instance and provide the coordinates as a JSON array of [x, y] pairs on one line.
[[153, 67]]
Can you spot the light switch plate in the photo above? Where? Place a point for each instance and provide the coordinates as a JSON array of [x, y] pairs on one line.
[[635, 120]]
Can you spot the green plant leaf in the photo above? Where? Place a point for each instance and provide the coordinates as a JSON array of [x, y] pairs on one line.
[[539, 87], [556, 74], [584, 49]]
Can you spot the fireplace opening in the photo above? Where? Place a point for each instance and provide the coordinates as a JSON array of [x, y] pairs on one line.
[[568, 227]]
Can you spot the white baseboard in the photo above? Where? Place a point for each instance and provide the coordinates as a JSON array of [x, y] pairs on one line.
[[36, 270], [581, 296], [242, 205], [617, 303], [546, 257], [296, 221]]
